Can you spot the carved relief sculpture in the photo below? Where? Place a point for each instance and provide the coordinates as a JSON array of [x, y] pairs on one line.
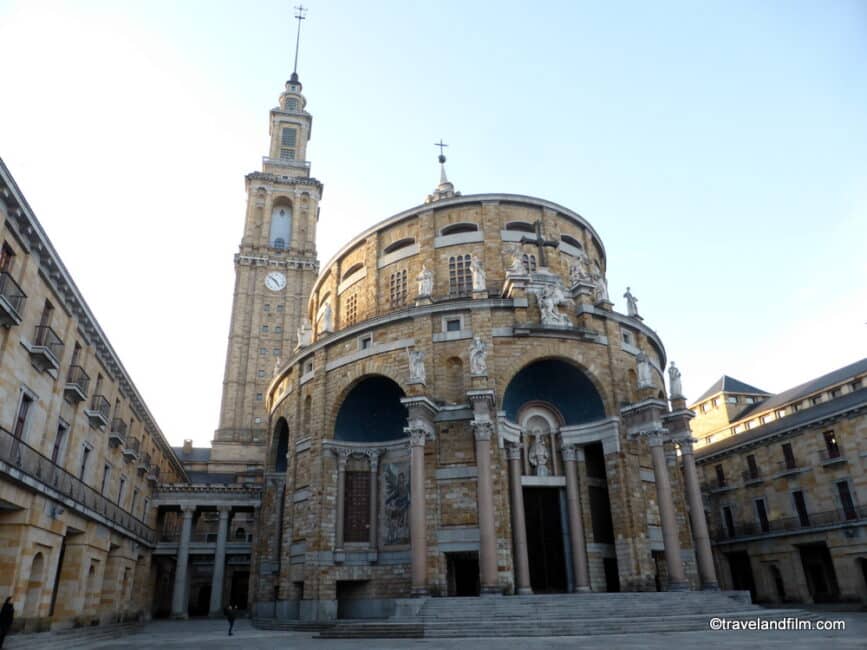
[[549, 298], [396, 503], [416, 366]]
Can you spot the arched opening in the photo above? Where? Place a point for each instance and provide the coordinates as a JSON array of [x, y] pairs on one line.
[[281, 445], [457, 228], [34, 586], [371, 412], [520, 226], [281, 226], [560, 384], [568, 239], [241, 534], [396, 246]]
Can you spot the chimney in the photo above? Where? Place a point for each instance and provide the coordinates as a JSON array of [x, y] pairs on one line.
[[188, 446]]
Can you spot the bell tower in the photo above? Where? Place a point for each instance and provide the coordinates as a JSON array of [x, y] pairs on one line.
[[275, 268]]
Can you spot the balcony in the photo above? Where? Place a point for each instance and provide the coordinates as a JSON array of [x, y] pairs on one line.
[[832, 456], [117, 433], [12, 300], [144, 463], [752, 477], [153, 475], [786, 468], [46, 349], [27, 466], [98, 412], [130, 449], [809, 522], [77, 382]]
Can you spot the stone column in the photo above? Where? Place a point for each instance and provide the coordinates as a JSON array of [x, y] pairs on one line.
[[706, 568], [373, 455], [417, 532], [576, 522], [216, 609], [519, 521], [179, 606], [342, 457], [676, 576], [487, 531]]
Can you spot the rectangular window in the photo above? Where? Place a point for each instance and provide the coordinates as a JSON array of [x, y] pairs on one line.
[[288, 137], [831, 444], [789, 456], [835, 393], [134, 499], [715, 402], [267, 307], [352, 309], [264, 329], [397, 288], [720, 476], [279, 308], [287, 154], [21, 420], [705, 407], [260, 373], [356, 507], [729, 521], [365, 342], [120, 490], [732, 399], [753, 467], [846, 501], [460, 276], [453, 325], [278, 329], [263, 352], [276, 352], [144, 509], [106, 472], [258, 397], [801, 508], [762, 515], [85, 456], [7, 258], [59, 442]]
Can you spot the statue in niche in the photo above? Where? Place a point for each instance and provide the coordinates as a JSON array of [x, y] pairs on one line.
[[516, 267], [539, 455], [416, 366], [305, 334], [580, 271], [674, 380], [645, 371], [549, 298], [327, 318], [478, 274], [631, 303], [396, 502], [478, 352], [425, 281], [600, 284]]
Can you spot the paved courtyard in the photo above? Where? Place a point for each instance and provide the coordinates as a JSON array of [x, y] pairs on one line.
[[166, 635]]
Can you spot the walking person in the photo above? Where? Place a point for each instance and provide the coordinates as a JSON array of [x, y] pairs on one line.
[[231, 611], [7, 613]]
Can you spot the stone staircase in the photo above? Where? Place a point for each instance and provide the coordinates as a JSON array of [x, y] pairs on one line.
[[557, 615], [77, 637], [290, 625]]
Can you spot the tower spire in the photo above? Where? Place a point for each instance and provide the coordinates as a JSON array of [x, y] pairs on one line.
[[445, 190], [300, 10]]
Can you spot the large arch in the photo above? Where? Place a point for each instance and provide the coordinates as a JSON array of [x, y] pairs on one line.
[[371, 412], [280, 443], [34, 587], [556, 382]]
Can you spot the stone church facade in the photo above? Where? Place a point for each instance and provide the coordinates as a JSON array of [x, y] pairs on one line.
[[464, 413]]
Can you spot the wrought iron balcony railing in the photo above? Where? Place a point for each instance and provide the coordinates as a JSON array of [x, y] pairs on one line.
[[12, 300], [77, 381], [809, 521], [99, 410], [46, 349], [130, 449], [17, 456]]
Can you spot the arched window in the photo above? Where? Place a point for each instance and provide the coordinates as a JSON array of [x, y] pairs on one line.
[[352, 269], [281, 227], [457, 228], [460, 276], [281, 445], [371, 412], [568, 239], [529, 262], [288, 142], [521, 226], [396, 246], [241, 534]]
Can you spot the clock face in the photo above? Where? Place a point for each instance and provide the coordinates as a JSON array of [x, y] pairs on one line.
[[275, 281]]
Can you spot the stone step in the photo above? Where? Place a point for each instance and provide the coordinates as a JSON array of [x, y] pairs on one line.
[[80, 637], [289, 626]]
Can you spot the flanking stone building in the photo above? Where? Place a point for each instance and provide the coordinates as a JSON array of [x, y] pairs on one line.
[[463, 412], [80, 453], [784, 484]]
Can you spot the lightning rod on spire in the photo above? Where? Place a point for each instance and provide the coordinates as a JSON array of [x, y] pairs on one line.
[[299, 16]]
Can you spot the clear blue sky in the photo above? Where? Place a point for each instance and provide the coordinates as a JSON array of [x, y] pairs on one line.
[[718, 148]]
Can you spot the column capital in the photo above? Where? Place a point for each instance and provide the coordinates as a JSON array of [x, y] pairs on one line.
[[373, 457], [655, 437], [188, 510], [513, 452], [685, 444], [224, 511], [482, 430], [417, 437], [570, 453], [419, 426]]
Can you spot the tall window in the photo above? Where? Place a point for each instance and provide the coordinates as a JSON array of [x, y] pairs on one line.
[[280, 233], [134, 499], [106, 472], [831, 444], [762, 515], [752, 466], [7, 257], [729, 521], [460, 276], [85, 456], [291, 104], [59, 441], [120, 490], [24, 408], [288, 142], [351, 314], [801, 507], [144, 508], [720, 476], [529, 262], [846, 501], [789, 456], [356, 517], [397, 288]]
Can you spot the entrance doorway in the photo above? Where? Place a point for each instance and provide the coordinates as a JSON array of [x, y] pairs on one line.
[[742, 572], [462, 574], [548, 573], [819, 570], [240, 586]]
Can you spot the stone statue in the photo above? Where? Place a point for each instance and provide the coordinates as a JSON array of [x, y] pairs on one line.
[[631, 303], [539, 455], [580, 271], [478, 274], [674, 380], [327, 318], [645, 371], [516, 267], [425, 281], [478, 362], [305, 334], [416, 366], [550, 297]]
